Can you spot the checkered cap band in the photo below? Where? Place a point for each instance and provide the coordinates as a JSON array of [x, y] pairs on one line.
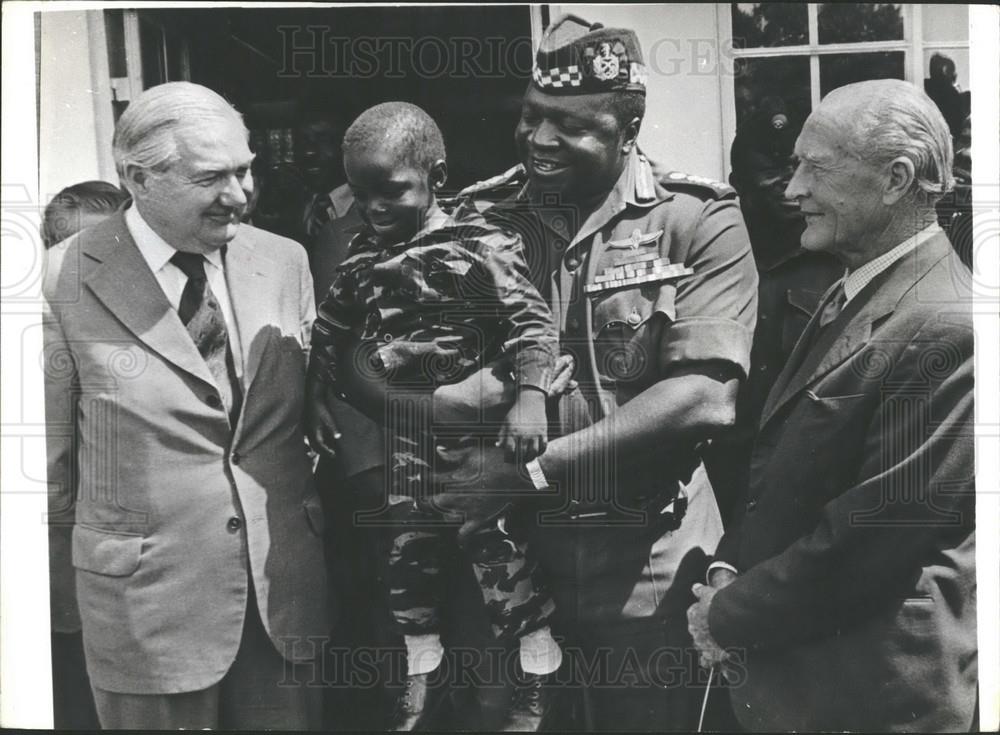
[[637, 73], [558, 77]]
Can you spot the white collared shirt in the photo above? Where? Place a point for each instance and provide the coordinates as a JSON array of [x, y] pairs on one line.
[[856, 280], [157, 253]]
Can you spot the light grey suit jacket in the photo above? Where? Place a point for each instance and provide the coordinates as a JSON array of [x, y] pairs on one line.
[[168, 510]]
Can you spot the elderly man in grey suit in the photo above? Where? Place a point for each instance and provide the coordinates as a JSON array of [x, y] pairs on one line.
[[176, 350], [846, 595]]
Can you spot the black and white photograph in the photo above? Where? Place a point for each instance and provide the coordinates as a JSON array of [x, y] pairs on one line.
[[500, 368]]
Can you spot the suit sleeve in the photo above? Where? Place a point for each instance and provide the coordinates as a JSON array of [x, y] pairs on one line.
[[914, 493], [307, 306], [61, 391]]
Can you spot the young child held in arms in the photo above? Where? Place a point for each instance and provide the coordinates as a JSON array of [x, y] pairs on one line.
[[433, 298]]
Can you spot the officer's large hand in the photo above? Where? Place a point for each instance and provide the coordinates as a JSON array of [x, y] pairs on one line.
[[475, 483]]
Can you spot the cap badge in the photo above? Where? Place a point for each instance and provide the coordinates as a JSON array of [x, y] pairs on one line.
[[605, 63]]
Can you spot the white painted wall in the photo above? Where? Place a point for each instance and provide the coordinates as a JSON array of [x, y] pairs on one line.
[[74, 128], [683, 125]]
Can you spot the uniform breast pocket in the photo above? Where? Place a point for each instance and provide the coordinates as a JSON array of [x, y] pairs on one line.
[[621, 324]]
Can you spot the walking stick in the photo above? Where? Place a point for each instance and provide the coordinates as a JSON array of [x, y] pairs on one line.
[[704, 700]]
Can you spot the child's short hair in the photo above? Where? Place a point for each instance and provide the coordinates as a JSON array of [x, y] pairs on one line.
[[402, 129], [61, 220]]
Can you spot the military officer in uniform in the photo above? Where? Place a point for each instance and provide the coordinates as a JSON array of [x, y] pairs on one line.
[[792, 281], [655, 292]]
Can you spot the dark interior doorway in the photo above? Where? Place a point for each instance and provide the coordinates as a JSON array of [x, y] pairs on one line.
[[467, 66]]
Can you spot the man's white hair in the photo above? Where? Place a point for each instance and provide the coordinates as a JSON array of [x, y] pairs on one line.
[[145, 133], [890, 118]]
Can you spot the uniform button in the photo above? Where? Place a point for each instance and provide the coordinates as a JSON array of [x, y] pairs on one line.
[[213, 400], [751, 505], [234, 524], [235, 459], [574, 323], [559, 244], [572, 263]]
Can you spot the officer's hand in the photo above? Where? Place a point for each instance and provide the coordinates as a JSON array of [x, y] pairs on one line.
[[562, 379], [474, 483], [321, 427], [524, 433]]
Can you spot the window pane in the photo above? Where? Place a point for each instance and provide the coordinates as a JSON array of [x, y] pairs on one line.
[[769, 24], [854, 22], [946, 22], [151, 49], [114, 29], [837, 70], [786, 77]]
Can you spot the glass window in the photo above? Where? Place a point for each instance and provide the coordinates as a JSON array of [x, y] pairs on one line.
[[770, 24], [151, 47], [945, 22], [836, 70], [854, 22], [114, 29], [786, 77]]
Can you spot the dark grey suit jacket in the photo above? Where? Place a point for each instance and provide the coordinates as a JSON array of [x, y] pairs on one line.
[[855, 607]]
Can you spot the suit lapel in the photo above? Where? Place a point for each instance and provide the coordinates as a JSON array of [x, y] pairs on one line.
[[127, 287], [809, 362], [250, 291], [796, 358]]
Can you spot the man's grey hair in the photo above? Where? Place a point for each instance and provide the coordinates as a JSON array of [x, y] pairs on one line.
[[891, 118], [145, 133]]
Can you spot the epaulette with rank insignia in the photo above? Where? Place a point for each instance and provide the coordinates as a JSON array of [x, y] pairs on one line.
[[679, 180]]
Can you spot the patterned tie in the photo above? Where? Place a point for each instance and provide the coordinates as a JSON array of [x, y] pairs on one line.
[[833, 306], [317, 214], [201, 314]]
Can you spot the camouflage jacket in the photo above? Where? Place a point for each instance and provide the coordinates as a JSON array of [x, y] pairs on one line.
[[440, 305]]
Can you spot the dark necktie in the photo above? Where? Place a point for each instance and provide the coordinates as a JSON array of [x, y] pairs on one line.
[[202, 315], [317, 214], [833, 306]]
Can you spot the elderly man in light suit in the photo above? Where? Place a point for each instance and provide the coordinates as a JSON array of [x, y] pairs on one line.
[[846, 595], [176, 349]]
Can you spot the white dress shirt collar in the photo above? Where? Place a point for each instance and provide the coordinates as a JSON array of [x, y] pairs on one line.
[[156, 251], [856, 280]]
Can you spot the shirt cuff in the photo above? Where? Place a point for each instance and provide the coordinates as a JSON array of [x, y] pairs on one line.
[[533, 368], [718, 565]]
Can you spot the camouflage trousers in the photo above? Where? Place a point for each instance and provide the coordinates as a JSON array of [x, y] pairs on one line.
[[514, 591]]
